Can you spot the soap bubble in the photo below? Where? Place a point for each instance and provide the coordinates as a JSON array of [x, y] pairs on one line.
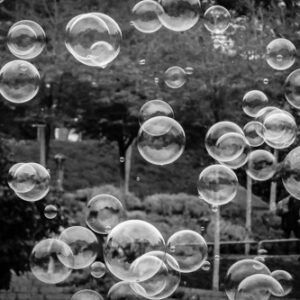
[[241, 270], [127, 242], [103, 213], [279, 129], [254, 133], [145, 16], [170, 279], [86, 295], [189, 249], [45, 261], [156, 283], [98, 269], [253, 102], [265, 112], [239, 161], [281, 54], [258, 287], [26, 39], [122, 290], [291, 172], [93, 39], [161, 140], [179, 15], [285, 279], [19, 81], [84, 245], [50, 211], [22, 177], [292, 89], [175, 77], [214, 136], [37, 182], [217, 19], [217, 184], [155, 108], [261, 165], [206, 266]]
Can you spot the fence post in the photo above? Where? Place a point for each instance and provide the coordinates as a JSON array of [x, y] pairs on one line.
[[216, 249]]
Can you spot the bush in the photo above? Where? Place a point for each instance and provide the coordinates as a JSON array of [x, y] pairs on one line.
[[170, 204]]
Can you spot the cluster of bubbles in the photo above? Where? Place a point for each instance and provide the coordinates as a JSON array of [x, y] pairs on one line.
[[149, 16], [251, 279], [134, 252], [92, 38], [161, 139]]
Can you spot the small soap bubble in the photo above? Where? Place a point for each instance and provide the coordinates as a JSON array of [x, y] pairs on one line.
[[50, 211], [86, 295], [98, 269], [179, 15], [260, 258], [122, 159], [142, 62], [26, 39], [285, 279], [189, 70], [19, 81], [266, 81], [206, 266], [281, 54], [217, 19], [175, 77], [145, 16], [253, 102]]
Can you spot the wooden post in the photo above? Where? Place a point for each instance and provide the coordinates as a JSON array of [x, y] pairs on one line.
[[41, 138], [216, 250], [248, 214], [60, 159], [272, 203]]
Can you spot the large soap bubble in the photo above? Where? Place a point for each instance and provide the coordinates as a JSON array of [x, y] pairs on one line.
[[281, 54], [217, 184], [30, 181], [170, 279], [258, 287], [103, 213], [253, 102], [45, 261], [279, 129], [86, 294], [179, 15], [175, 77], [292, 89], [189, 249], [145, 16], [128, 241], [241, 270], [253, 131], [217, 19], [84, 245], [26, 39], [285, 279], [93, 39], [225, 141], [291, 172], [155, 108], [161, 140], [19, 81], [261, 165]]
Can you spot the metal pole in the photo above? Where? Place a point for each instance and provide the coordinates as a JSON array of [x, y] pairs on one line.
[[272, 204], [248, 214], [216, 250], [60, 159]]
